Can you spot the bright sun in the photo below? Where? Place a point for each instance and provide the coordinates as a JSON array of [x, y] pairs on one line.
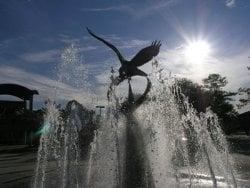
[[197, 51]]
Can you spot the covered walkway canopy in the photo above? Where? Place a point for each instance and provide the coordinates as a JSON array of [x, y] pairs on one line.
[[18, 91]]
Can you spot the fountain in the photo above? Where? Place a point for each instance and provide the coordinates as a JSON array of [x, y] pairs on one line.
[[58, 160], [153, 140]]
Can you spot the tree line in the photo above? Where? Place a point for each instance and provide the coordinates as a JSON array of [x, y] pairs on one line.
[[211, 94]]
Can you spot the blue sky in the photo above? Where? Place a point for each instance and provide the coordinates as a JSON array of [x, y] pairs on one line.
[[35, 33]]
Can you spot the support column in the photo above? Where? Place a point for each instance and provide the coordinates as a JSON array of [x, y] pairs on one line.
[[31, 104]]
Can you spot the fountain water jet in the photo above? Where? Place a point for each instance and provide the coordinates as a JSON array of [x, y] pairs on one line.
[[58, 160], [180, 141], [162, 142]]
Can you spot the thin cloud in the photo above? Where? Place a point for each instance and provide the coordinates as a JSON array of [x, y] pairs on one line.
[[230, 3], [144, 10], [87, 48], [110, 8], [47, 88], [120, 42], [41, 57], [67, 39], [134, 43], [88, 43], [151, 8]]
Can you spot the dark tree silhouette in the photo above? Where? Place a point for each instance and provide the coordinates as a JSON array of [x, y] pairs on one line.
[[244, 91], [211, 95], [214, 82], [219, 100], [194, 92]]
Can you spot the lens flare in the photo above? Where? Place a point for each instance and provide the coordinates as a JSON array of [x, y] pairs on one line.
[[43, 130]]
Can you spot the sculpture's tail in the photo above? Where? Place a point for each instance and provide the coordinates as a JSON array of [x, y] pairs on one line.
[[114, 82]]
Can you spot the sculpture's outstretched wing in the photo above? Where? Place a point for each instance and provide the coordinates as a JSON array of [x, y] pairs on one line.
[[146, 54], [109, 45]]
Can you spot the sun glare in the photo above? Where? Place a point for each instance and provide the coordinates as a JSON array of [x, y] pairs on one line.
[[197, 51]]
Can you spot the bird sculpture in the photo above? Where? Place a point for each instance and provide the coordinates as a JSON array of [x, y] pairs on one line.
[[129, 69]]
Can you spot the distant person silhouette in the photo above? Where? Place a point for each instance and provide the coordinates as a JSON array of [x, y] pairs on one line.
[[129, 68]]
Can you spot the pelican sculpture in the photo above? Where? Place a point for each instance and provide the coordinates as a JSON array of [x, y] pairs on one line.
[[130, 68]]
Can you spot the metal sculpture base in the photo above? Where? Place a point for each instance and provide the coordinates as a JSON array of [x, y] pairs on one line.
[[137, 169]]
